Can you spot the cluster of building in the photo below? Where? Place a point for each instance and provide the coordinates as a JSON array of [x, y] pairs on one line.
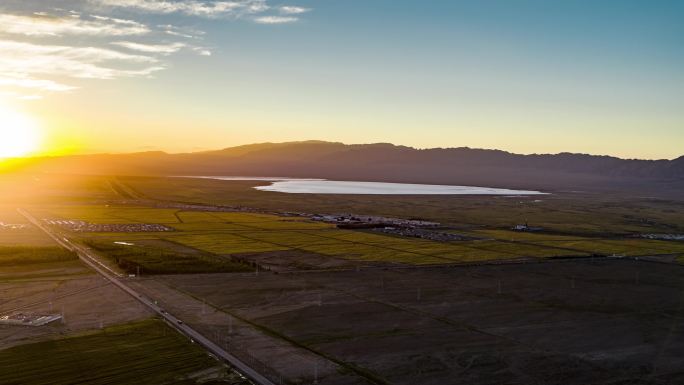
[[663, 237], [12, 226], [370, 221], [27, 319], [526, 227], [87, 227], [431, 235]]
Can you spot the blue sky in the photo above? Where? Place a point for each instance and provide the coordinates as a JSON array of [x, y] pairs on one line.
[[526, 76]]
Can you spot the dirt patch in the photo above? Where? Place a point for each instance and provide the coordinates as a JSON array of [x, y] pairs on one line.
[[86, 302], [292, 260], [271, 355], [585, 322]]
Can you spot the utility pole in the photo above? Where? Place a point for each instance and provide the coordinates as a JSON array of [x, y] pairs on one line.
[[316, 373]]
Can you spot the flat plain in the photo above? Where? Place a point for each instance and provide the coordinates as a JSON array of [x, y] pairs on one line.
[[583, 301], [141, 352]]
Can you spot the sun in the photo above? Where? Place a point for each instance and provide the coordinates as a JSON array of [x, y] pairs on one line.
[[19, 134]]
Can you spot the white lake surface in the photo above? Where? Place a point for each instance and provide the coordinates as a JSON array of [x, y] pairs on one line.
[[261, 178], [322, 186]]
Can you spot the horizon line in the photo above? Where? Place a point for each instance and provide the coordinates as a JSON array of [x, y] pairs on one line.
[[96, 152]]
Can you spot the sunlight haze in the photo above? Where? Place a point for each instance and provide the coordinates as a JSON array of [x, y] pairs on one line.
[[524, 76]]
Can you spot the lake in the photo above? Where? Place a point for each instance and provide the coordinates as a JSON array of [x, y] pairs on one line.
[[322, 186]]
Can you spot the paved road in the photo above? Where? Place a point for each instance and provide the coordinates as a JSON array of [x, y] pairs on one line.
[[91, 259]]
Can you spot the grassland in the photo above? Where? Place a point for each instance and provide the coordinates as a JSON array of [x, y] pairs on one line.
[[244, 233], [574, 213], [45, 188], [202, 241], [24, 255], [161, 260], [575, 224], [24, 235], [146, 352], [107, 214]]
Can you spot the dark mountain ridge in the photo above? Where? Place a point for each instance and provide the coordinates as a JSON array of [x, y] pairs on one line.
[[386, 162]]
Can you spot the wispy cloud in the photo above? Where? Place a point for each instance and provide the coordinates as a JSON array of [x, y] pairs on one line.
[[256, 10], [188, 33], [275, 19], [26, 59], [202, 51], [25, 66], [44, 49], [44, 25], [23, 80], [292, 10], [164, 49], [212, 9]]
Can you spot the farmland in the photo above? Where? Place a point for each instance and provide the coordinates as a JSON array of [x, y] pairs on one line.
[[15, 231], [588, 322], [307, 301], [213, 241], [575, 213], [142, 352], [25, 255], [156, 259]]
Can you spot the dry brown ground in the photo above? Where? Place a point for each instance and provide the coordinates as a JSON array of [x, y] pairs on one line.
[[87, 301], [272, 356], [608, 322]]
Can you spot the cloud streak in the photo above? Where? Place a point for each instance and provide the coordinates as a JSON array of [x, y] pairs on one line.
[[256, 10], [275, 19], [43, 25], [213, 9], [43, 49], [291, 10], [164, 49], [77, 62]]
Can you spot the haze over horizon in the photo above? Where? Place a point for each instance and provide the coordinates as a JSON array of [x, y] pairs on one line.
[[91, 76], [222, 148]]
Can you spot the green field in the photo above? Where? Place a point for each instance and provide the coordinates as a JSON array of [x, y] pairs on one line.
[[163, 260], [146, 352], [45, 188], [204, 241], [26, 235], [573, 213], [29, 236], [26, 255], [111, 214]]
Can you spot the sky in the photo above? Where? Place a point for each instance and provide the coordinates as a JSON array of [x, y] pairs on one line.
[[190, 75]]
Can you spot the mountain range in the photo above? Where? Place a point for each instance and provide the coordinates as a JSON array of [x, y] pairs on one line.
[[390, 163]]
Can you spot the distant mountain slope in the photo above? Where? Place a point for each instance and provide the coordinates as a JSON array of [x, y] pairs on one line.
[[387, 162]]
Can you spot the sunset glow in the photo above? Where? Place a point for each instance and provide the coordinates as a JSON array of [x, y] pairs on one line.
[[19, 134], [193, 75]]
